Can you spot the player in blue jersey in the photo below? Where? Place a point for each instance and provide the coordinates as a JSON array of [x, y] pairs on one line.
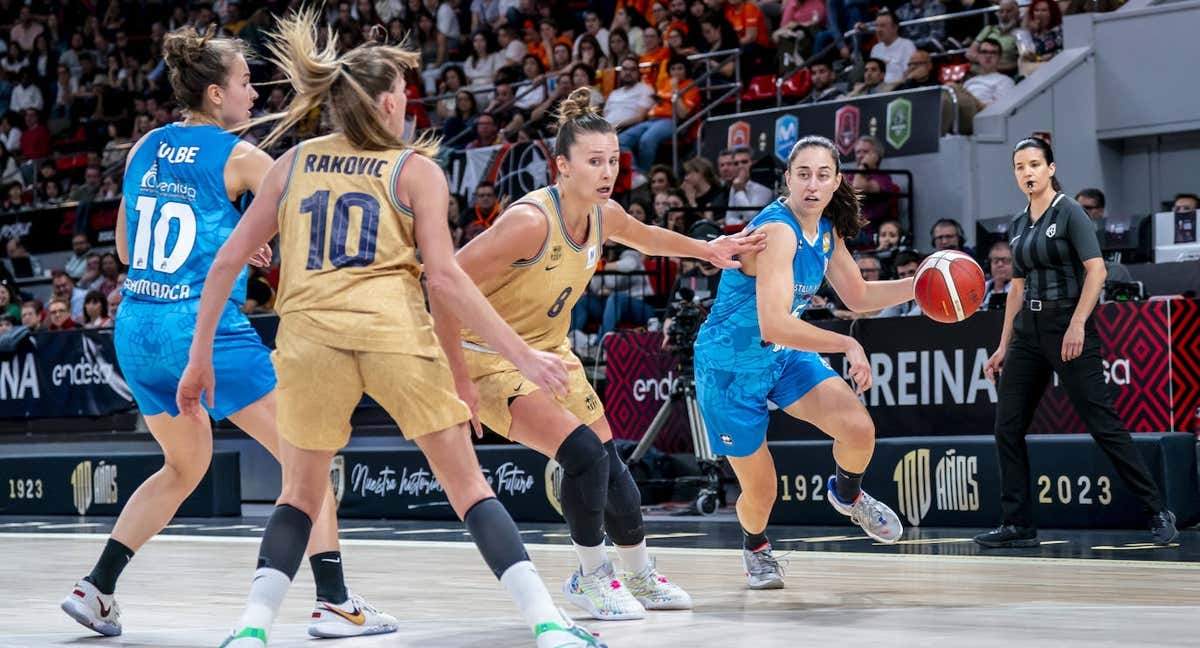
[[754, 348], [181, 183]]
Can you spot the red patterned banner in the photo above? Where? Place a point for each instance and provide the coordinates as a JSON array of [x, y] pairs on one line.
[[1185, 364], [1134, 342], [639, 376]]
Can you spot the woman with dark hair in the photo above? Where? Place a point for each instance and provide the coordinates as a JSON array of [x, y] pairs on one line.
[[618, 45], [480, 67], [1058, 274], [718, 35], [95, 311], [754, 347], [535, 72], [463, 119], [453, 79]]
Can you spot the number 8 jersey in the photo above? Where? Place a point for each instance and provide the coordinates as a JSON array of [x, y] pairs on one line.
[[349, 275], [178, 212]]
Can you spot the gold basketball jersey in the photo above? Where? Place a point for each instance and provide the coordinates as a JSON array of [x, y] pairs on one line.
[[349, 275], [535, 296]]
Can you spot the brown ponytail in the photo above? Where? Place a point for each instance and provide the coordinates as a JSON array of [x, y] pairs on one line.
[[576, 115], [196, 61], [347, 84], [844, 208]]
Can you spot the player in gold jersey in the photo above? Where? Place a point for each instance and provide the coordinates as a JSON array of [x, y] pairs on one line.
[[533, 264], [351, 210]]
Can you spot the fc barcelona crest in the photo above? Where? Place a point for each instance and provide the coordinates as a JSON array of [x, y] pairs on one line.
[[899, 122], [846, 121], [556, 254]]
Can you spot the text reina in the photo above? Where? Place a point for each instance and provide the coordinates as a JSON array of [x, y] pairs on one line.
[[344, 164]]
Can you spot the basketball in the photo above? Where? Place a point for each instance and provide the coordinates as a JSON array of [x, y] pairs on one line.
[[949, 286]]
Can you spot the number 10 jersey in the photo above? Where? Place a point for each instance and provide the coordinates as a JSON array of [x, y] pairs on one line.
[[349, 274], [178, 212]]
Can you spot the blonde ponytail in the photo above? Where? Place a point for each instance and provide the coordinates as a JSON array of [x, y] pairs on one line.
[[348, 84]]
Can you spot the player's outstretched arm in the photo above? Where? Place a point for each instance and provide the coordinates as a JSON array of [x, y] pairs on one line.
[[863, 296], [657, 241], [255, 229], [460, 295]]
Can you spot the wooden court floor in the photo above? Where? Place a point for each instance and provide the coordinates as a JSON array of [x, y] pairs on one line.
[[188, 590]]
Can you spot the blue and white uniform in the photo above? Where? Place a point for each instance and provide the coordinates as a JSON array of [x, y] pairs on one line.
[[737, 371], [179, 214]]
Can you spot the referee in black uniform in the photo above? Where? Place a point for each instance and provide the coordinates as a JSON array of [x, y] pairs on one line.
[[1057, 278]]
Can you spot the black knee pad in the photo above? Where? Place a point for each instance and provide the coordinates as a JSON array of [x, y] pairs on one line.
[[623, 510], [284, 539], [495, 534], [584, 485]]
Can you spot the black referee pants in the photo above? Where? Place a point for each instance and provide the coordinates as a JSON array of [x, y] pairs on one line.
[[1034, 353]]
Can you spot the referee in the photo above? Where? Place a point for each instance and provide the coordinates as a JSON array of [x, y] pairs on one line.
[[1057, 277]]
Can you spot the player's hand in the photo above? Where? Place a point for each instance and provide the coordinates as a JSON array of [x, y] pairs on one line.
[[994, 365], [723, 249], [546, 370], [197, 382], [262, 258], [1072, 344], [469, 393], [860, 369]]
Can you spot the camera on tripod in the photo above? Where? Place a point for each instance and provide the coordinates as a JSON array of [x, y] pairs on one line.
[[686, 315]]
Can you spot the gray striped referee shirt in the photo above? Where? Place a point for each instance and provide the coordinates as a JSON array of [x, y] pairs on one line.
[[1049, 254]]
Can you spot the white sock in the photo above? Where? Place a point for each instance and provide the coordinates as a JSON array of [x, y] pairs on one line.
[[266, 595], [592, 558], [527, 590], [634, 559]]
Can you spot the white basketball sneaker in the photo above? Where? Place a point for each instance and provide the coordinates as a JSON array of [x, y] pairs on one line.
[[565, 634], [92, 609], [876, 518], [654, 591], [602, 595], [353, 618]]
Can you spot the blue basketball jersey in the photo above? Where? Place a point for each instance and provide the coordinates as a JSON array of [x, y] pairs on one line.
[[178, 212], [730, 337]]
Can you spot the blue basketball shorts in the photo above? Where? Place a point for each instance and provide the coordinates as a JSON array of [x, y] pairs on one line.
[[734, 403], [153, 342]]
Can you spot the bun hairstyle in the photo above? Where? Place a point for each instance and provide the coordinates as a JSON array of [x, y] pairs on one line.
[[348, 83], [1047, 153], [196, 61], [844, 208], [576, 116]]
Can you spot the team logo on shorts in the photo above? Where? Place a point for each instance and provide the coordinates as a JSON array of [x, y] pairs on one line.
[[590, 402], [1051, 230], [825, 362], [726, 439]]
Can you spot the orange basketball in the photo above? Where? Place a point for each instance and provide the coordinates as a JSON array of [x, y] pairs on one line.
[[949, 286]]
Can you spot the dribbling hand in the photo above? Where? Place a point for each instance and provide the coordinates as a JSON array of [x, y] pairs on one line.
[[994, 365], [197, 381], [546, 370], [860, 369]]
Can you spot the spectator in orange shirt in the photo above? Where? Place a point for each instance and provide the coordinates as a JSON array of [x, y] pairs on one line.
[[656, 55], [677, 96], [754, 35]]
